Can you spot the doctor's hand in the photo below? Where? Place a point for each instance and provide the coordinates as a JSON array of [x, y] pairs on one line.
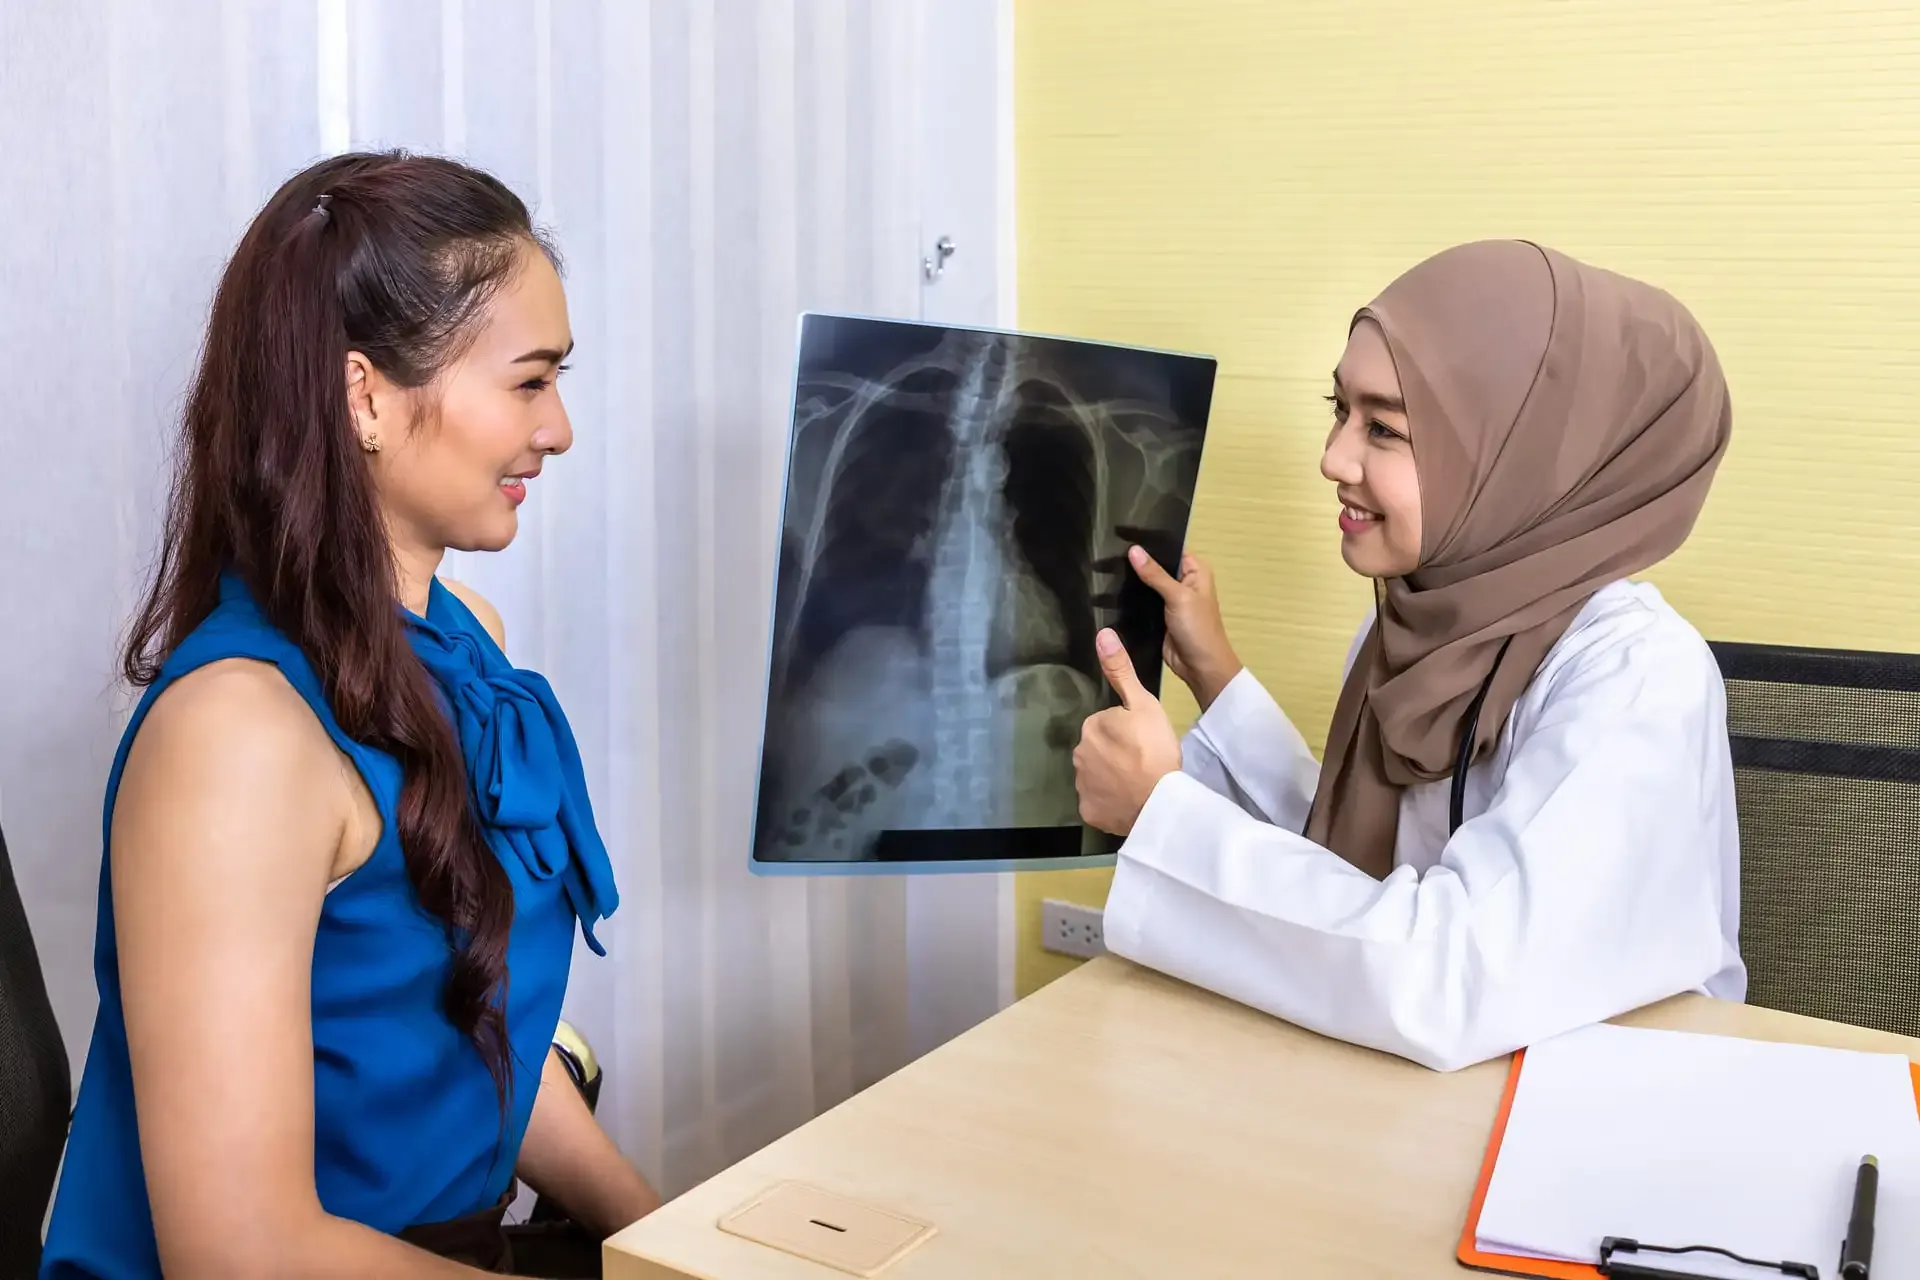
[[1124, 751], [1197, 649]]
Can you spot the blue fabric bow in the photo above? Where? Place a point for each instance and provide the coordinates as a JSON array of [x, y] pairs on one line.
[[528, 785]]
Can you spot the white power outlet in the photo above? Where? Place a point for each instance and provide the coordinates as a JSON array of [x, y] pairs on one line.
[[1070, 929]]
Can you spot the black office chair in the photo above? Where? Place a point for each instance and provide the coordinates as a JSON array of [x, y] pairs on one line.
[[1826, 753], [35, 1087]]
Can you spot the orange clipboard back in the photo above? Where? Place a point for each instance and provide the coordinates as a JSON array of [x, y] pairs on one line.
[[1509, 1264]]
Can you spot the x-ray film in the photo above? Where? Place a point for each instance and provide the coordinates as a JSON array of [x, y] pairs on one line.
[[958, 507]]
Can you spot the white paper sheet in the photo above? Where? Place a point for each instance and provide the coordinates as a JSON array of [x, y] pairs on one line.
[[1674, 1138]]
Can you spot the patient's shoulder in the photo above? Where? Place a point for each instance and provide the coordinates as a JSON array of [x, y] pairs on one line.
[[483, 612], [242, 706], [230, 748]]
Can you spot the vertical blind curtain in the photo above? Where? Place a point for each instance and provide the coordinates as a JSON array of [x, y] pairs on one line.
[[710, 168]]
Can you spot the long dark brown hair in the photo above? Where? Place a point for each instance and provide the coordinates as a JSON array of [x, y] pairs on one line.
[[396, 257]]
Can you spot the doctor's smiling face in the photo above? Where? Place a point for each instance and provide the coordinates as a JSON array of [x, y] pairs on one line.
[[1369, 456]]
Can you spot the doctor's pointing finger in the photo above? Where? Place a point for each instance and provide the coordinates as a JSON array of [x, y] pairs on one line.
[[1124, 751]]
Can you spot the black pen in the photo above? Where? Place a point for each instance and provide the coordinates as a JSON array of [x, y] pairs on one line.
[[1856, 1251]]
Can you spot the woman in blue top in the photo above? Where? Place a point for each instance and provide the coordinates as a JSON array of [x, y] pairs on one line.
[[346, 841]]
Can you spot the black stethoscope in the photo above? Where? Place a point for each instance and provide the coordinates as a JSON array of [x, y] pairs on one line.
[[1463, 755], [1463, 758]]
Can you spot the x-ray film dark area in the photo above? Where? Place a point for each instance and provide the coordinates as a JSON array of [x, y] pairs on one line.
[[958, 508]]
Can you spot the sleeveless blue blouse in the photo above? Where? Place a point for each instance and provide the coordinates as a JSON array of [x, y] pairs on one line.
[[407, 1123]]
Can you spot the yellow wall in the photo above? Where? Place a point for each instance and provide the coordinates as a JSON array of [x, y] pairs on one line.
[[1236, 176]]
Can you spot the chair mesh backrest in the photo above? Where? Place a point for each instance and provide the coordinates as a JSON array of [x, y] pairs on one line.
[[34, 1086], [1826, 754]]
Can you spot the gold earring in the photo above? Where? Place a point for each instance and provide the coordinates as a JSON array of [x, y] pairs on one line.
[[370, 443]]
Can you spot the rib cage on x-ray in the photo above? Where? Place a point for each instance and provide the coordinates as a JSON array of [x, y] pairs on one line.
[[958, 507]]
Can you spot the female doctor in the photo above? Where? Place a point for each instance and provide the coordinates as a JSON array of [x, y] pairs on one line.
[[1525, 819]]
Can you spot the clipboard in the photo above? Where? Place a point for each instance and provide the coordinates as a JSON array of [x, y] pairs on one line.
[[1547, 1269]]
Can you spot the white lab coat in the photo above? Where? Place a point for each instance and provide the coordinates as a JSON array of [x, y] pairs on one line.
[[1596, 868]]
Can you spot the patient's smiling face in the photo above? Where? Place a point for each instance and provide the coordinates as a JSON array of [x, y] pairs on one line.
[[1369, 456], [456, 456]]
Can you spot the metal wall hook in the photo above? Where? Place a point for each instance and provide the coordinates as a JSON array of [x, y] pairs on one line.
[[935, 267]]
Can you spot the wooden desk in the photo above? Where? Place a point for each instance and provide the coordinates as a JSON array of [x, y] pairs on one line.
[[1118, 1123]]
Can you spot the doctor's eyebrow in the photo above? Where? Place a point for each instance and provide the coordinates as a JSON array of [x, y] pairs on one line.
[[1390, 404]]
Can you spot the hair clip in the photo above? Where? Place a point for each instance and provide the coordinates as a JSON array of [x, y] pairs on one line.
[[320, 205]]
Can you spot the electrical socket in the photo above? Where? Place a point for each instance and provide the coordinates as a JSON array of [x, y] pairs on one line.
[[1069, 929]]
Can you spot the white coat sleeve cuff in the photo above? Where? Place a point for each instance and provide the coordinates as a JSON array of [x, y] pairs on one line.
[[1126, 918], [1195, 872]]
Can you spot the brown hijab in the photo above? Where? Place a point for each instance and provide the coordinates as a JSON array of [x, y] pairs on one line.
[[1566, 423]]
